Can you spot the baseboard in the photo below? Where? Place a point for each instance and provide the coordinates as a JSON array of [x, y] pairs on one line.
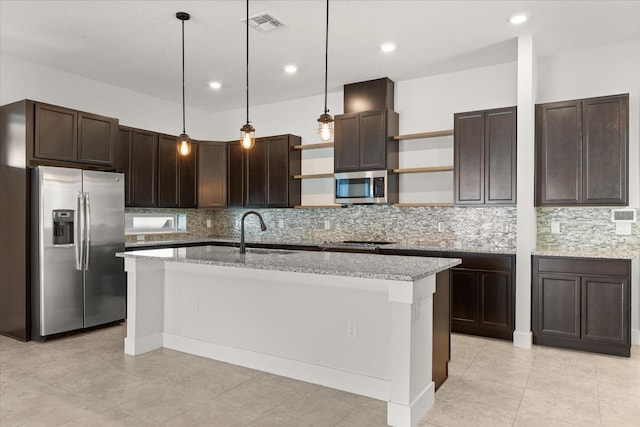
[[142, 344], [635, 337], [401, 415], [523, 339], [352, 382]]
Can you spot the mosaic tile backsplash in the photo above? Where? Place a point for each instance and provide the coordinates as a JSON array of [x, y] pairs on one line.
[[196, 224], [583, 228]]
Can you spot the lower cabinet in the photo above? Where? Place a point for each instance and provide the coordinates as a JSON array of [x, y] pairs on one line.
[[483, 295], [582, 304]]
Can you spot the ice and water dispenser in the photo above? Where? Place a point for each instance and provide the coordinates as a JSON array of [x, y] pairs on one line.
[[63, 225]]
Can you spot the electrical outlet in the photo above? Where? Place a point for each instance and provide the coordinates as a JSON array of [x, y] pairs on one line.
[[505, 227], [440, 227], [281, 223], [327, 224], [623, 228], [352, 329], [194, 306], [208, 223], [140, 237], [555, 227]]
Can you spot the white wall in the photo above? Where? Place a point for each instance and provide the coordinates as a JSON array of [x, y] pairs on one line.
[[21, 79]]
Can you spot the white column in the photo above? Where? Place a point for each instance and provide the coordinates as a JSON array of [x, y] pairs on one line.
[[526, 213]]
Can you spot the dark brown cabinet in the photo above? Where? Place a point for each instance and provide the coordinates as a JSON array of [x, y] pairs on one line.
[[582, 149], [263, 176], [71, 136], [361, 141], [144, 168], [212, 174], [122, 157], [176, 175], [482, 295], [485, 157], [582, 304]]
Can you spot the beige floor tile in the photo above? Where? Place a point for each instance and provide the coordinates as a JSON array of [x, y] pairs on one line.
[[615, 415], [210, 414], [450, 413], [364, 417], [563, 362], [547, 409], [108, 418], [565, 385], [502, 372], [503, 397], [619, 394], [446, 388], [618, 371]]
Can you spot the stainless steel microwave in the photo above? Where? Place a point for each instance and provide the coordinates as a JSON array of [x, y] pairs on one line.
[[362, 187]]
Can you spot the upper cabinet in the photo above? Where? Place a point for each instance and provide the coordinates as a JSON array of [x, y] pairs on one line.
[[144, 168], [485, 157], [122, 157], [361, 141], [263, 176], [70, 136], [582, 152], [212, 174], [176, 174], [362, 135]]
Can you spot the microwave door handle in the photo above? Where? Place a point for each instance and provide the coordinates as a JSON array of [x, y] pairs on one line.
[[87, 208], [372, 187], [79, 240]]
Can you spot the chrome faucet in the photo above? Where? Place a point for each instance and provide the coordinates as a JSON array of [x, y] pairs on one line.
[[263, 226]]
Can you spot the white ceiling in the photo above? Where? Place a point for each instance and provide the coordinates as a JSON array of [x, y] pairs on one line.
[[136, 44]]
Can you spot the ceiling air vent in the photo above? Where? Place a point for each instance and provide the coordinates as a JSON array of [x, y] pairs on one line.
[[264, 22]]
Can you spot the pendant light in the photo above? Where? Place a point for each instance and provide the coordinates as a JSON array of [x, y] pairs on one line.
[[184, 142], [325, 121], [247, 132]]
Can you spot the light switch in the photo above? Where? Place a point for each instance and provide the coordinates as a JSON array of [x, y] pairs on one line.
[[623, 228]]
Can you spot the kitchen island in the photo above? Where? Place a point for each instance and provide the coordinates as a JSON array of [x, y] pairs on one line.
[[356, 322]]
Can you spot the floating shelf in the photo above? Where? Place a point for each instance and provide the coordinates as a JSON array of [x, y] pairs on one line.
[[312, 146], [317, 206], [314, 175], [419, 205], [427, 169], [422, 135]]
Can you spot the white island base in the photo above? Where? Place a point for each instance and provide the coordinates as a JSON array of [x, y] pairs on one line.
[[366, 336]]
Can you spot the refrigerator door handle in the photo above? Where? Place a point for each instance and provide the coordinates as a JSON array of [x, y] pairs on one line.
[[87, 207], [79, 240]]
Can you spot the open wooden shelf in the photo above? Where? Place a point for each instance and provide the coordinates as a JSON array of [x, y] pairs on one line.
[[419, 205], [314, 175], [312, 146], [426, 169], [317, 206], [422, 135]]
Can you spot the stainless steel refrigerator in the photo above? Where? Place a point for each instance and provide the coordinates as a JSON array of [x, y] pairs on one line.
[[77, 227]]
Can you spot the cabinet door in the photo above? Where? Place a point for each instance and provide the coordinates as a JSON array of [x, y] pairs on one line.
[[212, 174], [144, 169], [56, 136], [346, 147], [496, 301], [605, 310], [278, 171], [255, 178], [373, 140], [557, 305], [500, 156], [236, 174], [168, 172], [464, 297], [558, 154], [605, 151], [468, 147], [187, 182], [121, 159], [96, 138]]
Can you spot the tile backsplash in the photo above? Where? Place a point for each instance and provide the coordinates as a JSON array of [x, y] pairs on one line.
[[583, 228]]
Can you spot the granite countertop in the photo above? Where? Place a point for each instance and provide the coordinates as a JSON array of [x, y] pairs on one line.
[[587, 253], [369, 266], [408, 245]]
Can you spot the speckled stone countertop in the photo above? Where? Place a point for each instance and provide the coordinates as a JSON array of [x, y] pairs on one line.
[[369, 266], [409, 245], [587, 253]]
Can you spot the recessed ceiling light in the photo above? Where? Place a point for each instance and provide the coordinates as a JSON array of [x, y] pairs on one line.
[[519, 18], [387, 47], [215, 85], [290, 69]]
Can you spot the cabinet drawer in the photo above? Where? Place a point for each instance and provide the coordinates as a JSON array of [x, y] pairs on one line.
[[585, 266], [482, 261]]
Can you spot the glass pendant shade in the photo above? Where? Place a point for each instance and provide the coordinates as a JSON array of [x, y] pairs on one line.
[[247, 136], [184, 145], [325, 127]]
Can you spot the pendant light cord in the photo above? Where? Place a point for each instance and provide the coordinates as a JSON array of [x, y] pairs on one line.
[[247, 61], [183, 102], [326, 58]]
